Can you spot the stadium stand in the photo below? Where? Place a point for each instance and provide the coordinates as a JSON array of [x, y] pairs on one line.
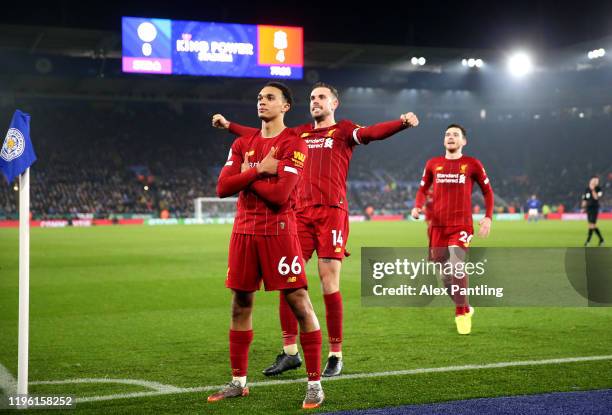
[[96, 157]]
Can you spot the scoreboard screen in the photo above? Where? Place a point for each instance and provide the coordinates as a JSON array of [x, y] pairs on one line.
[[163, 46]]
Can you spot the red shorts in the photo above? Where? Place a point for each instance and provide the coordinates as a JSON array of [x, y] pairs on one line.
[[275, 259], [441, 237], [324, 229]]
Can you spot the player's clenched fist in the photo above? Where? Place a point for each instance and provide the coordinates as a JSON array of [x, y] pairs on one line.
[[416, 212], [409, 119], [219, 121]]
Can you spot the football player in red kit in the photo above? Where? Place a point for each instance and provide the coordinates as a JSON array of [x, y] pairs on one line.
[[451, 229], [264, 167], [323, 224]]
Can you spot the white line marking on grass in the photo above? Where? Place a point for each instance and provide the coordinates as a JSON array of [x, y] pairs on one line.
[[161, 389], [7, 382]]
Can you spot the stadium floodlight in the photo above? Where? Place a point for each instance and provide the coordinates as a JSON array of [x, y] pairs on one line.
[[472, 62], [422, 61], [597, 53], [416, 61], [519, 64]]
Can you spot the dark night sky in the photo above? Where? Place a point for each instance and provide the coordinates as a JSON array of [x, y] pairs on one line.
[[436, 23]]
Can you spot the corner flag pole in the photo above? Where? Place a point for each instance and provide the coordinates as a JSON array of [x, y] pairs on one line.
[[16, 156], [24, 281]]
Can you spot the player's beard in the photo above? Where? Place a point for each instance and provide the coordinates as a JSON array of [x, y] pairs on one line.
[[321, 116]]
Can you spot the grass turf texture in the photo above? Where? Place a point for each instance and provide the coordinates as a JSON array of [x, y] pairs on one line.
[[149, 303]]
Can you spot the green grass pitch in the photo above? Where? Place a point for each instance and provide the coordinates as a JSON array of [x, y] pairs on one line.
[[149, 303]]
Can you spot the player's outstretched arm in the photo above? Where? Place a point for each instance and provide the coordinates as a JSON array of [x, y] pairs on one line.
[[385, 129], [219, 121], [410, 119]]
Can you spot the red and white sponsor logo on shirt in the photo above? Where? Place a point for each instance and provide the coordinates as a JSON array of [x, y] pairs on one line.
[[450, 178], [323, 142]]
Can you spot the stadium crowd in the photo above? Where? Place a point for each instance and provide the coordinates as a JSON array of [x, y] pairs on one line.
[[106, 158]]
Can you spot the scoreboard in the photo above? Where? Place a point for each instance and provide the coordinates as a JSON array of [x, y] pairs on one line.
[[163, 46]]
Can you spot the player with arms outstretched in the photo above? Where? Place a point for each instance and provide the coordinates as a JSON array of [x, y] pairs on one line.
[[451, 228], [264, 167], [322, 214]]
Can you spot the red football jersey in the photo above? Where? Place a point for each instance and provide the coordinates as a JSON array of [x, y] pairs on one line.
[[452, 189], [330, 151], [429, 205], [255, 215]]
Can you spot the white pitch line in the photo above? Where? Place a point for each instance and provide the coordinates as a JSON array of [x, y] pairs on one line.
[[498, 365], [159, 387], [7, 382]]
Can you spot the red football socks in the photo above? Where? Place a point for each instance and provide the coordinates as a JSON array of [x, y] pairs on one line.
[[311, 345], [239, 351], [461, 310], [461, 300], [289, 324], [333, 315]]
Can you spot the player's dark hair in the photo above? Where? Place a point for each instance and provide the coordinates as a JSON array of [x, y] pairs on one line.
[[332, 89], [463, 131], [594, 177], [287, 95]]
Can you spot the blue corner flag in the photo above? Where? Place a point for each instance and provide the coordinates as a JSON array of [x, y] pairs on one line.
[[17, 153]]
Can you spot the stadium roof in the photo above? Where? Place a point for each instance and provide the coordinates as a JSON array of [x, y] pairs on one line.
[[107, 44]]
